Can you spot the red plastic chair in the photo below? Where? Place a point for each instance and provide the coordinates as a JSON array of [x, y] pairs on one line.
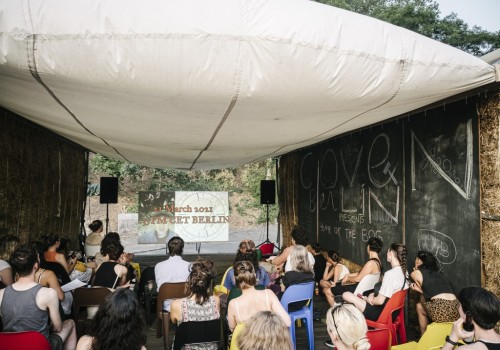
[[23, 340], [380, 339], [267, 249], [396, 302]]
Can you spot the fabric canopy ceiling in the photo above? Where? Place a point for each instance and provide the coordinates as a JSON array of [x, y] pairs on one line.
[[192, 84]]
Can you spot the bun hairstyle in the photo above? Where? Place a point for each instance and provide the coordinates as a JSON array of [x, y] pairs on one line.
[[95, 225], [348, 324], [244, 274], [375, 244], [200, 280]]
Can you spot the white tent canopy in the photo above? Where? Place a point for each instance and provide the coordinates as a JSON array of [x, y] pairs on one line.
[[211, 84]]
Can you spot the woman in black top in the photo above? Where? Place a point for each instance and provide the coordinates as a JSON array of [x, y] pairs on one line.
[[110, 273], [437, 301]]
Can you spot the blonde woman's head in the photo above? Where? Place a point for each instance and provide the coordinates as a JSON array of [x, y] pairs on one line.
[[244, 274], [346, 324], [263, 331], [299, 259]]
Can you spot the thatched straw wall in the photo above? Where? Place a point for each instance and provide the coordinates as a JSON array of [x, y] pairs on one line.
[[288, 195], [489, 129], [42, 181]]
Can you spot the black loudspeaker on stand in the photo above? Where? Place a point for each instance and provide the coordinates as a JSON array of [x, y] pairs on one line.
[[109, 194], [267, 196]]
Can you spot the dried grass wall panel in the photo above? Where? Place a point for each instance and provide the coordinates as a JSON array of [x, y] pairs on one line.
[[288, 194], [42, 181], [489, 130]]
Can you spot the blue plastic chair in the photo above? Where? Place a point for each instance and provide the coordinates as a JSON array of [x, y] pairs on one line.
[[300, 292]]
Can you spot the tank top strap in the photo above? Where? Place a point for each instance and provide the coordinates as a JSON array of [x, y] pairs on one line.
[[40, 277], [237, 311], [184, 310]]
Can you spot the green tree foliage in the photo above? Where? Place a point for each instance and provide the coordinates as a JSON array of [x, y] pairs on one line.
[[423, 17], [244, 181]]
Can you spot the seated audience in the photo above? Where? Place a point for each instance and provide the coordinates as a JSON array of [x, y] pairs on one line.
[[201, 305], [47, 278], [251, 300], [8, 244], [264, 331], [394, 280], [319, 262], [437, 301], [174, 269], [113, 239], [94, 239], [371, 270], [111, 274], [247, 252], [333, 275], [347, 328], [301, 270], [484, 309], [299, 236], [52, 243], [118, 325], [27, 306]]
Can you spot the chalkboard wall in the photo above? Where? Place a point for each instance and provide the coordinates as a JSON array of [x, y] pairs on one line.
[[414, 180]]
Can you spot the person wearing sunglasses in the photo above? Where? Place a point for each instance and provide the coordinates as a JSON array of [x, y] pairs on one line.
[[347, 328]]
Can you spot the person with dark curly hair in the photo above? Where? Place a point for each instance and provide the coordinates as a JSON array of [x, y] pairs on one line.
[[282, 261], [437, 302], [483, 307], [201, 304], [119, 324]]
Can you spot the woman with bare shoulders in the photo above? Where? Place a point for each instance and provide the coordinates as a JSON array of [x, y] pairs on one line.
[[201, 305], [251, 301], [371, 271]]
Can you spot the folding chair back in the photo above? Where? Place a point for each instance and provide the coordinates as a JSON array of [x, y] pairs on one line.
[[83, 298], [167, 291], [296, 293], [198, 332]]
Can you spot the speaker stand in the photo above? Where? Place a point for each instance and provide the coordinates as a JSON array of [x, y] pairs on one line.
[[267, 241], [107, 217]]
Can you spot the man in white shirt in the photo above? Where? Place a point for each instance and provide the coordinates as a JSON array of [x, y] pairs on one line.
[[174, 269]]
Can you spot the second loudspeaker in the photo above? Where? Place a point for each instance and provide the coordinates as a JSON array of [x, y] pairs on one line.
[[267, 191]]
